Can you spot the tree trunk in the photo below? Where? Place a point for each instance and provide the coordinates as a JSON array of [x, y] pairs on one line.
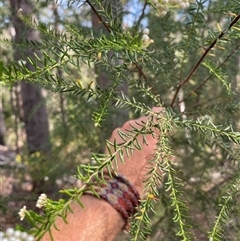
[[16, 107], [2, 125], [34, 110]]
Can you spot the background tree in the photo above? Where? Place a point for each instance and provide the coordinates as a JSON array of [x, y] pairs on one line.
[[35, 114], [2, 126]]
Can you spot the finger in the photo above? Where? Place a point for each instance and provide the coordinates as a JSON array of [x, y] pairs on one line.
[[157, 109]]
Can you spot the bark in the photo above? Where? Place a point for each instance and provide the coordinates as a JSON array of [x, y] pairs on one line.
[[17, 112], [35, 118], [2, 125], [235, 86], [34, 111], [62, 100]]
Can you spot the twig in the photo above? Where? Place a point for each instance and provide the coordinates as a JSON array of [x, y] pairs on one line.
[[202, 57], [142, 15], [219, 66], [100, 18], [109, 30]]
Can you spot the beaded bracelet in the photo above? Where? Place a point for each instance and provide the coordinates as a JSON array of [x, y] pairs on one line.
[[119, 192]]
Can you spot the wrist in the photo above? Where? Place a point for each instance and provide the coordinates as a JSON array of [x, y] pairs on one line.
[[118, 191]]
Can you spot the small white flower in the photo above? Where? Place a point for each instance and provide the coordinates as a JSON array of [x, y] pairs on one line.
[[187, 4], [10, 231], [165, 8], [24, 235], [145, 38], [42, 201], [17, 234], [22, 212], [161, 13], [146, 31], [46, 178], [14, 239], [183, 5], [30, 238], [159, 6]]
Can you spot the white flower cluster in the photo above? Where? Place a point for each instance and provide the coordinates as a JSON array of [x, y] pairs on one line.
[[22, 213], [42, 201], [15, 235], [163, 6], [145, 38]]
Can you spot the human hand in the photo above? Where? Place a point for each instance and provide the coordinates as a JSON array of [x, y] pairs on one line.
[[135, 165]]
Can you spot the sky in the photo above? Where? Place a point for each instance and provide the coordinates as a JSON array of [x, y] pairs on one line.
[[133, 7]]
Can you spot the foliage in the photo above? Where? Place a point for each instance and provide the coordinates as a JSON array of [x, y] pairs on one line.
[[192, 69]]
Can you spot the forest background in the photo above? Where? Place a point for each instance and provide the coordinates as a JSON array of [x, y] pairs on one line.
[[72, 71]]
